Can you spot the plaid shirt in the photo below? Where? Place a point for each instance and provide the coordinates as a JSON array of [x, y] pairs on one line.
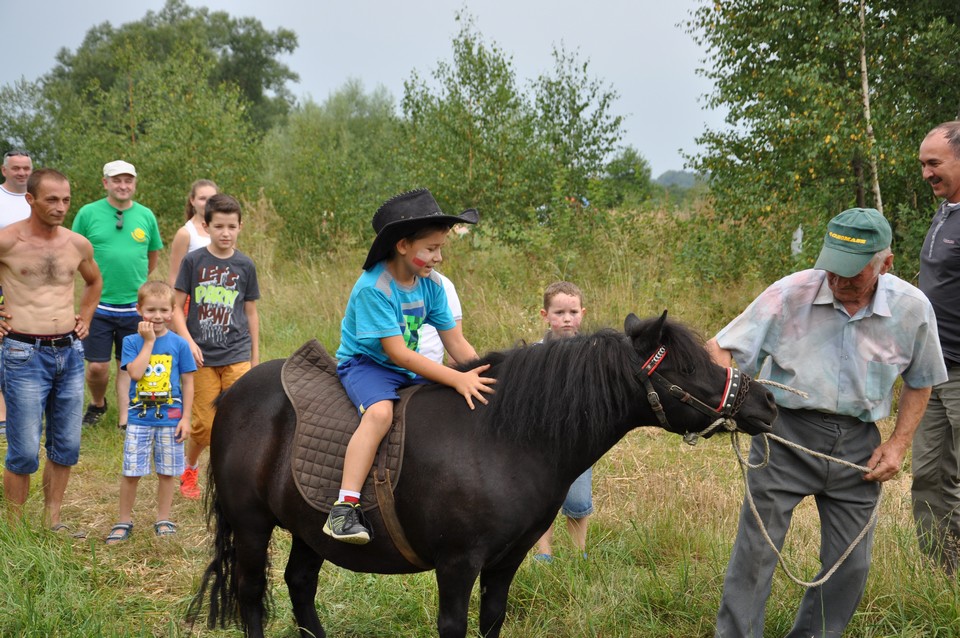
[[804, 338]]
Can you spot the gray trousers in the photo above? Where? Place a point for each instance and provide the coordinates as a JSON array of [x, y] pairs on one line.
[[844, 501], [936, 474]]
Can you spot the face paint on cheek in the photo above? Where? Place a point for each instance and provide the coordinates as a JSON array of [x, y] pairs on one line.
[[421, 259]]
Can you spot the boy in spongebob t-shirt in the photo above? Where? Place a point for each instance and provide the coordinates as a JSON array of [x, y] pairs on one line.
[[161, 371]]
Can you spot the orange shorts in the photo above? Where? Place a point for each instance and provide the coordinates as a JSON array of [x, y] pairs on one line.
[[208, 383]]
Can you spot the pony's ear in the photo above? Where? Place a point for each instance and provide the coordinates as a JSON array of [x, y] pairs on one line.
[[631, 325], [663, 320]]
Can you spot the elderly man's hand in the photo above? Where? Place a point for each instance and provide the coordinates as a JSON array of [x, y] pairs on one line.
[[886, 461]]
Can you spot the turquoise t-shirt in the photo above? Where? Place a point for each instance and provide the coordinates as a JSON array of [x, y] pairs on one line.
[[121, 253], [379, 307]]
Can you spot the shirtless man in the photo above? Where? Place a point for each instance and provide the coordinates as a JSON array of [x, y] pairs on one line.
[[41, 349]]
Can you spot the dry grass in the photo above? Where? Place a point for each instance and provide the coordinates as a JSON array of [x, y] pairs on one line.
[[666, 513]]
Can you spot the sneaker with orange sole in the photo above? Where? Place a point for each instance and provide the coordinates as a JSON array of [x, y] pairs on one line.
[[188, 484]]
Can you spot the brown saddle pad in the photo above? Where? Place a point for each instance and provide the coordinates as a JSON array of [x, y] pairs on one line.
[[326, 419]]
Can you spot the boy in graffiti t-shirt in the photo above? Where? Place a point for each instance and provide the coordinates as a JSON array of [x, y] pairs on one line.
[[221, 326]]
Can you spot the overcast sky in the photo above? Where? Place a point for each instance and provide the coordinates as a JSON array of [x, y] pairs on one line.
[[636, 46]]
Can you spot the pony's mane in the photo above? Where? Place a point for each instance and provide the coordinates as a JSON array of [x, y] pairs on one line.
[[545, 392]]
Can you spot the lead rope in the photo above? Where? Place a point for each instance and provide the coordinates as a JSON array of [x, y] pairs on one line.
[[745, 465]]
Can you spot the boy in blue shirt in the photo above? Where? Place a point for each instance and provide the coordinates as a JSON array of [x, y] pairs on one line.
[[379, 338], [161, 371]]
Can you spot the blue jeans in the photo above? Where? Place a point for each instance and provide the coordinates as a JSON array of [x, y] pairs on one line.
[[38, 381], [579, 501]]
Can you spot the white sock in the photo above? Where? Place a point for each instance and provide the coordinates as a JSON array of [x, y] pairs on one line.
[[344, 493]]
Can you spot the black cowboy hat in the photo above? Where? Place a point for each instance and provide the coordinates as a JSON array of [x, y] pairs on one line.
[[403, 215]]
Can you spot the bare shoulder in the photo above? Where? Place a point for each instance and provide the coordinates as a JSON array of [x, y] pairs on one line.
[[8, 236], [79, 242]]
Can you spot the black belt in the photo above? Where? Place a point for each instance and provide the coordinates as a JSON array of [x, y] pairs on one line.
[[52, 342]]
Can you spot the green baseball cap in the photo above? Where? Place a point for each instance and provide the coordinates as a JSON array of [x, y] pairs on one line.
[[853, 238]]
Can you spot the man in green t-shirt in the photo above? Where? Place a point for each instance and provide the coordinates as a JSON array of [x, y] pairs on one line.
[[126, 241]]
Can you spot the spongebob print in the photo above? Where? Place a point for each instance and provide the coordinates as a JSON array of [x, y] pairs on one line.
[[154, 388]]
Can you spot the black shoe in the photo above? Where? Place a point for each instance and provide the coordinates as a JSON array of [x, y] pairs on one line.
[[346, 524], [93, 414]]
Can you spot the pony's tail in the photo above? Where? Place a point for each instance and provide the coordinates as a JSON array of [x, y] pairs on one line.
[[220, 576]]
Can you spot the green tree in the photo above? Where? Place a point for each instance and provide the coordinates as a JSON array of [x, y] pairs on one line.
[[472, 139], [625, 182], [576, 122], [170, 122], [241, 51], [25, 122], [329, 166], [796, 148], [519, 157]]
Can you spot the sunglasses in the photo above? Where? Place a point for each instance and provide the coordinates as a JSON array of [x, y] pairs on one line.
[[119, 220], [16, 153]]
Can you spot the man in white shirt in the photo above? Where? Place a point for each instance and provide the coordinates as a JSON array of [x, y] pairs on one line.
[[16, 169], [430, 345]]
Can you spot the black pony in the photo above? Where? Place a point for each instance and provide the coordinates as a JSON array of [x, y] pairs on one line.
[[478, 487]]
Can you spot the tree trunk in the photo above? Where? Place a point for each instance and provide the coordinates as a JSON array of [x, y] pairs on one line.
[[865, 88], [857, 165]]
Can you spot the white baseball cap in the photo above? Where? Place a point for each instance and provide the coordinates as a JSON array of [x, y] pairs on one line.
[[118, 167]]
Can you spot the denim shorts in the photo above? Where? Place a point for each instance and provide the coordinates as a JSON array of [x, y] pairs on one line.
[[579, 501], [144, 442], [40, 381], [107, 333], [367, 382]]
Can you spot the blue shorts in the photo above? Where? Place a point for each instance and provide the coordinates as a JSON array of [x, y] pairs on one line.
[[367, 382], [146, 441], [106, 333], [38, 382], [579, 501]]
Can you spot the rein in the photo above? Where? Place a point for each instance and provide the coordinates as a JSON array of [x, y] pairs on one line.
[[745, 466], [735, 393]]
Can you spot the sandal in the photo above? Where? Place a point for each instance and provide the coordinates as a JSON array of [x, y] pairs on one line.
[[119, 533], [165, 528], [62, 527]]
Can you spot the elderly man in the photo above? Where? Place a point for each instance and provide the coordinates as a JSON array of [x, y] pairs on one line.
[[126, 241], [42, 353], [841, 332], [936, 445]]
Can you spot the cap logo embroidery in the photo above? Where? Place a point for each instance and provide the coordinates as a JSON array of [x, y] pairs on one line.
[[852, 240]]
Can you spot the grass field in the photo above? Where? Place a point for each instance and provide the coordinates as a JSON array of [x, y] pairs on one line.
[[658, 544]]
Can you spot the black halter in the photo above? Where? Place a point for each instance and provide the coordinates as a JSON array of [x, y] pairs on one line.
[[735, 393]]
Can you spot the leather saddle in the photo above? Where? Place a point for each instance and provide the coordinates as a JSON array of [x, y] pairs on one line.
[[326, 419]]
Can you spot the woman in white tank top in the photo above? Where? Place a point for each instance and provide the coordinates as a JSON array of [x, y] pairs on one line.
[[191, 235]]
